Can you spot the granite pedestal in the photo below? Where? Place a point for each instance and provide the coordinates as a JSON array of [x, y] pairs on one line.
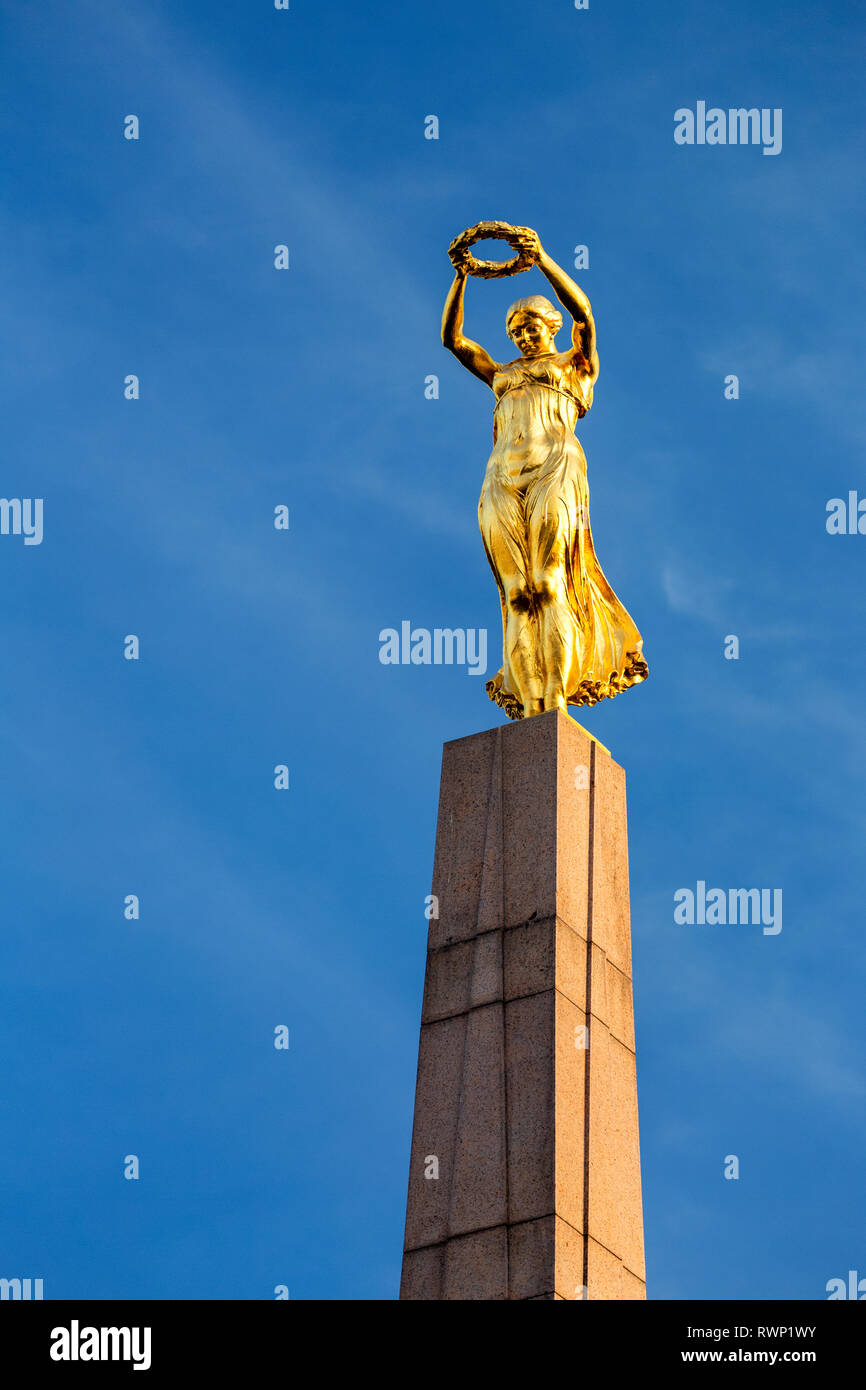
[[525, 1170]]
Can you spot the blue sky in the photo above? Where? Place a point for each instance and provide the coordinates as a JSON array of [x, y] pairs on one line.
[[260, 647]]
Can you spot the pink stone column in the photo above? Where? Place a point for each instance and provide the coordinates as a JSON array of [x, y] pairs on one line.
[[526, 1098]]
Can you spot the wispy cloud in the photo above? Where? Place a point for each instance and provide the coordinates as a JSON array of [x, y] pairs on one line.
[[695, 593]]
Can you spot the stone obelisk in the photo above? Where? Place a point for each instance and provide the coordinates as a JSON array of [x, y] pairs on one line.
[[524, 1178]]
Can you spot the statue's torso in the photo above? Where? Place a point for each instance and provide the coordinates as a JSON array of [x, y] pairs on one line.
[[538, 403]]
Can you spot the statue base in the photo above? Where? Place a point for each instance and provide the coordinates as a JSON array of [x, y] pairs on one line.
[[525, 1171]]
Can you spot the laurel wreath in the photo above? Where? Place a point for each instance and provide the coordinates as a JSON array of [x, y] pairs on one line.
[[462, 258]]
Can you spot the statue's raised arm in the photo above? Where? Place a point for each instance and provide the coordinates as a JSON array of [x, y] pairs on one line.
[[524, 242], [572, 298], [474, 357]]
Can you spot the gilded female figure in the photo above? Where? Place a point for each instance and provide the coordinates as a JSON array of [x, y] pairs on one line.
[[567, 639]]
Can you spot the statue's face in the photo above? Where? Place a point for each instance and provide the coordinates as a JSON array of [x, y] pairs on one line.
[[531, 335]]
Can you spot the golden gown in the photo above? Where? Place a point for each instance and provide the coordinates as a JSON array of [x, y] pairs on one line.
[[534, 519]]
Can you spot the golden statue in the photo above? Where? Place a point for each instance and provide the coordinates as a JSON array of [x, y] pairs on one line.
[[567, 639]]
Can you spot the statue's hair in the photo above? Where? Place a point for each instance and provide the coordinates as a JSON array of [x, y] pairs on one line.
[[538, 305]]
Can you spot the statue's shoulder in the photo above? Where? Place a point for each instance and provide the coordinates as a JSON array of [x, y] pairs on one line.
[[505, 374], [570, 362], [582, 369]]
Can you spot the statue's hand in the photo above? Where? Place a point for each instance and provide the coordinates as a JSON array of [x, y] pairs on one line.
[[529, 241], [459, 258]]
